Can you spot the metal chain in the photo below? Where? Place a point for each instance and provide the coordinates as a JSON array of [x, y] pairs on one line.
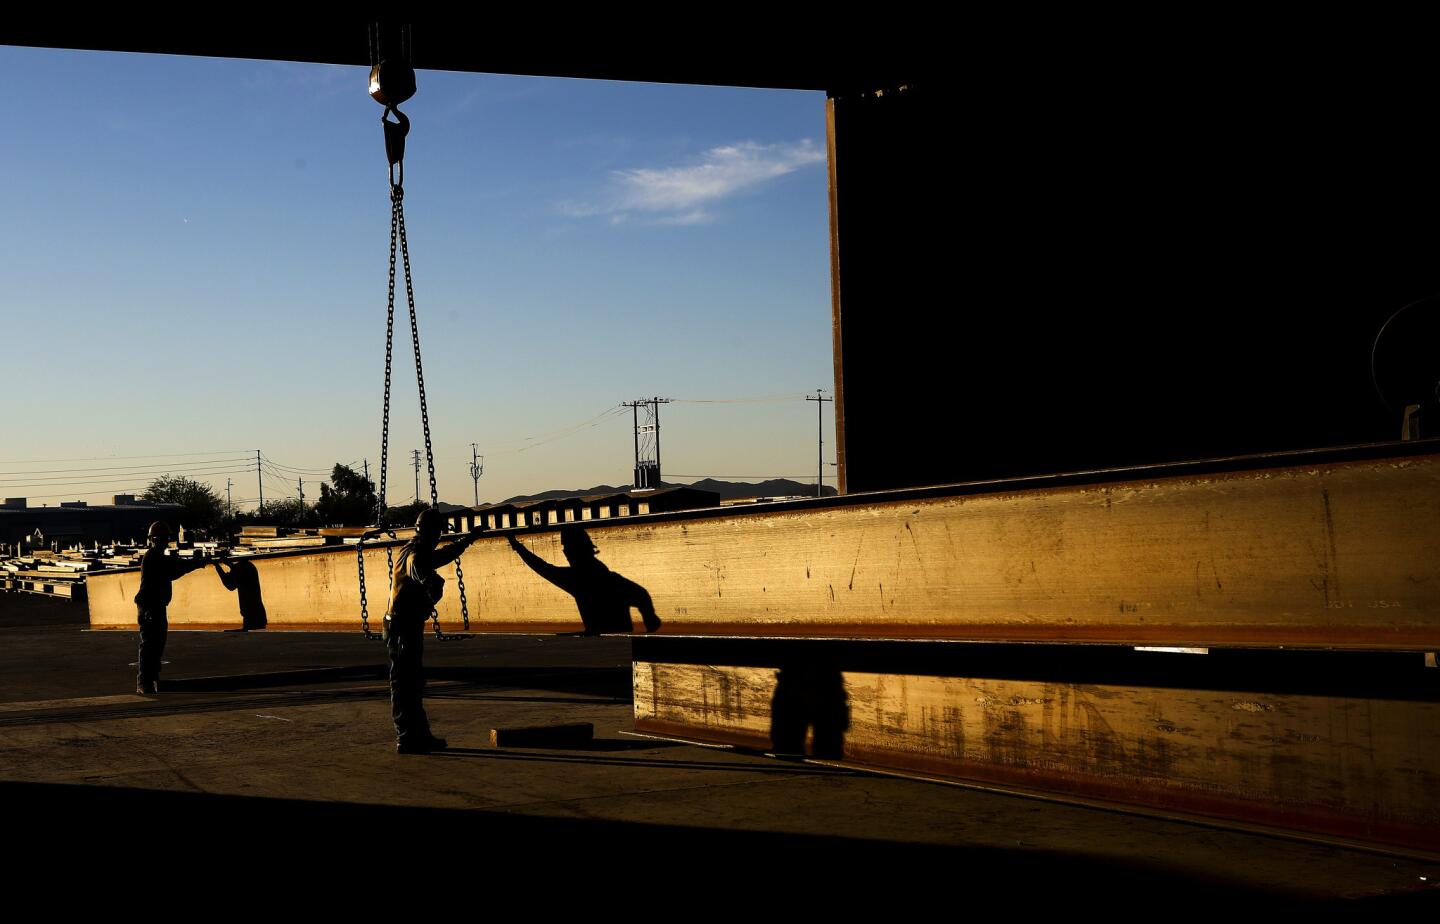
[[384, 425], [460, 588], [364, 603], [385, 421], [397, 195]]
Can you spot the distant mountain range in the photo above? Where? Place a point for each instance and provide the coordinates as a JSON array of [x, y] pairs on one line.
[[728, 490]]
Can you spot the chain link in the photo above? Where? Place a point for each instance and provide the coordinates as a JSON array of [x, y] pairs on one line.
[[364, 604], [460, 588], [397, 197], [397, 236]]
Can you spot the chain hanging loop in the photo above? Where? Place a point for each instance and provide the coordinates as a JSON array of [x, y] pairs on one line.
[[392, 82]]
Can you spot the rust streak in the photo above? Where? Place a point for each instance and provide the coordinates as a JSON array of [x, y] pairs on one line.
[[1331, 566]]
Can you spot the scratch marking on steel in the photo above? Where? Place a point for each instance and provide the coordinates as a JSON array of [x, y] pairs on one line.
[[1331, 564]]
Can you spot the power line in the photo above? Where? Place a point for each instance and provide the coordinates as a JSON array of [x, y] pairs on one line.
[[156, 455], [111, 491], [758, 399], [310, 471], [56, 482], [122, 469], [561, 433], [647, 441]]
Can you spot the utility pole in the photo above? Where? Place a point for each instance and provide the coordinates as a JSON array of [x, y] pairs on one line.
[[300, 486], [415, 454], [477, 468], [229, 507], [260, 481], [820, 441], [647, 442]]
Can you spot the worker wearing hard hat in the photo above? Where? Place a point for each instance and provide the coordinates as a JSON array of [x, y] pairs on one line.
[[416, 589], [157, 572]]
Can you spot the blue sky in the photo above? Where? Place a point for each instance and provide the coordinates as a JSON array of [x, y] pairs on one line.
[[194, 261]]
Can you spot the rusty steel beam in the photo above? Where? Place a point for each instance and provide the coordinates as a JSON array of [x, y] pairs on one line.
[[1340, 744], [1338, 549]]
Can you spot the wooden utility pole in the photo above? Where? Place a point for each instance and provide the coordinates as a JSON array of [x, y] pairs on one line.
[[820, 441], [477, 468]]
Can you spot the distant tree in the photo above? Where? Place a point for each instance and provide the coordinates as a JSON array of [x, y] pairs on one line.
[[349, 499], [286, 511], [404, 516], [201, 506]]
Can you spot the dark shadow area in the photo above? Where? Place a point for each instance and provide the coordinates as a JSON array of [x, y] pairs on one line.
[[620, 745], [576, 756], [1374, 675], [162, 704], [309, 676], [610, 682], [770, 870], [473, 696], [809, 695], [25, 609], [243, 580], [603, 597], [607, 683], [1149, 294]]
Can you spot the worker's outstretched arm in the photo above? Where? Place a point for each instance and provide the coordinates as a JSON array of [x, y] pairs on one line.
[[552, 573], [455, 549]]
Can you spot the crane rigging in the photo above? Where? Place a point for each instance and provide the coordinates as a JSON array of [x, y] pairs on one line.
[[392, 82]]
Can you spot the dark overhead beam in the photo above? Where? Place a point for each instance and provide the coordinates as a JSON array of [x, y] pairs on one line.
[[795, 55]]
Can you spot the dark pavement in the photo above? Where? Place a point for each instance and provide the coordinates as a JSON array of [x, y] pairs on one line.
[[274, 752]]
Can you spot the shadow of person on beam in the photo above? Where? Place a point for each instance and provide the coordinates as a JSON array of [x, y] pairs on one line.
[[244, 581], [809, 695], [603, 597]]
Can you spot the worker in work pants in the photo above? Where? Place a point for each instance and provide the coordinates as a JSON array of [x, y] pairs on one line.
[[405, 637], [157, 572], [154, 628]]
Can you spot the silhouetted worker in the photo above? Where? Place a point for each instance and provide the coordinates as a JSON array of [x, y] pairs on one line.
[[417, 588], [244, 581], [809, 694], [603, 597], [157, 572]]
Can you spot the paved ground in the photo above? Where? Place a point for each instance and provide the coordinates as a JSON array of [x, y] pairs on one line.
[[274, 751]]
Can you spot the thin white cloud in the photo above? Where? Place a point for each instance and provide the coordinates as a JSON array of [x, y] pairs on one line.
[[693, 217], [677, 195]]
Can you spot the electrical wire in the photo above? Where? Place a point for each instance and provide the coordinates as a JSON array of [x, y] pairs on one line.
[[18, 484], [112, 492], [158, 455], [121, 470], [758, 399], [309, 471], [559, 434]]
